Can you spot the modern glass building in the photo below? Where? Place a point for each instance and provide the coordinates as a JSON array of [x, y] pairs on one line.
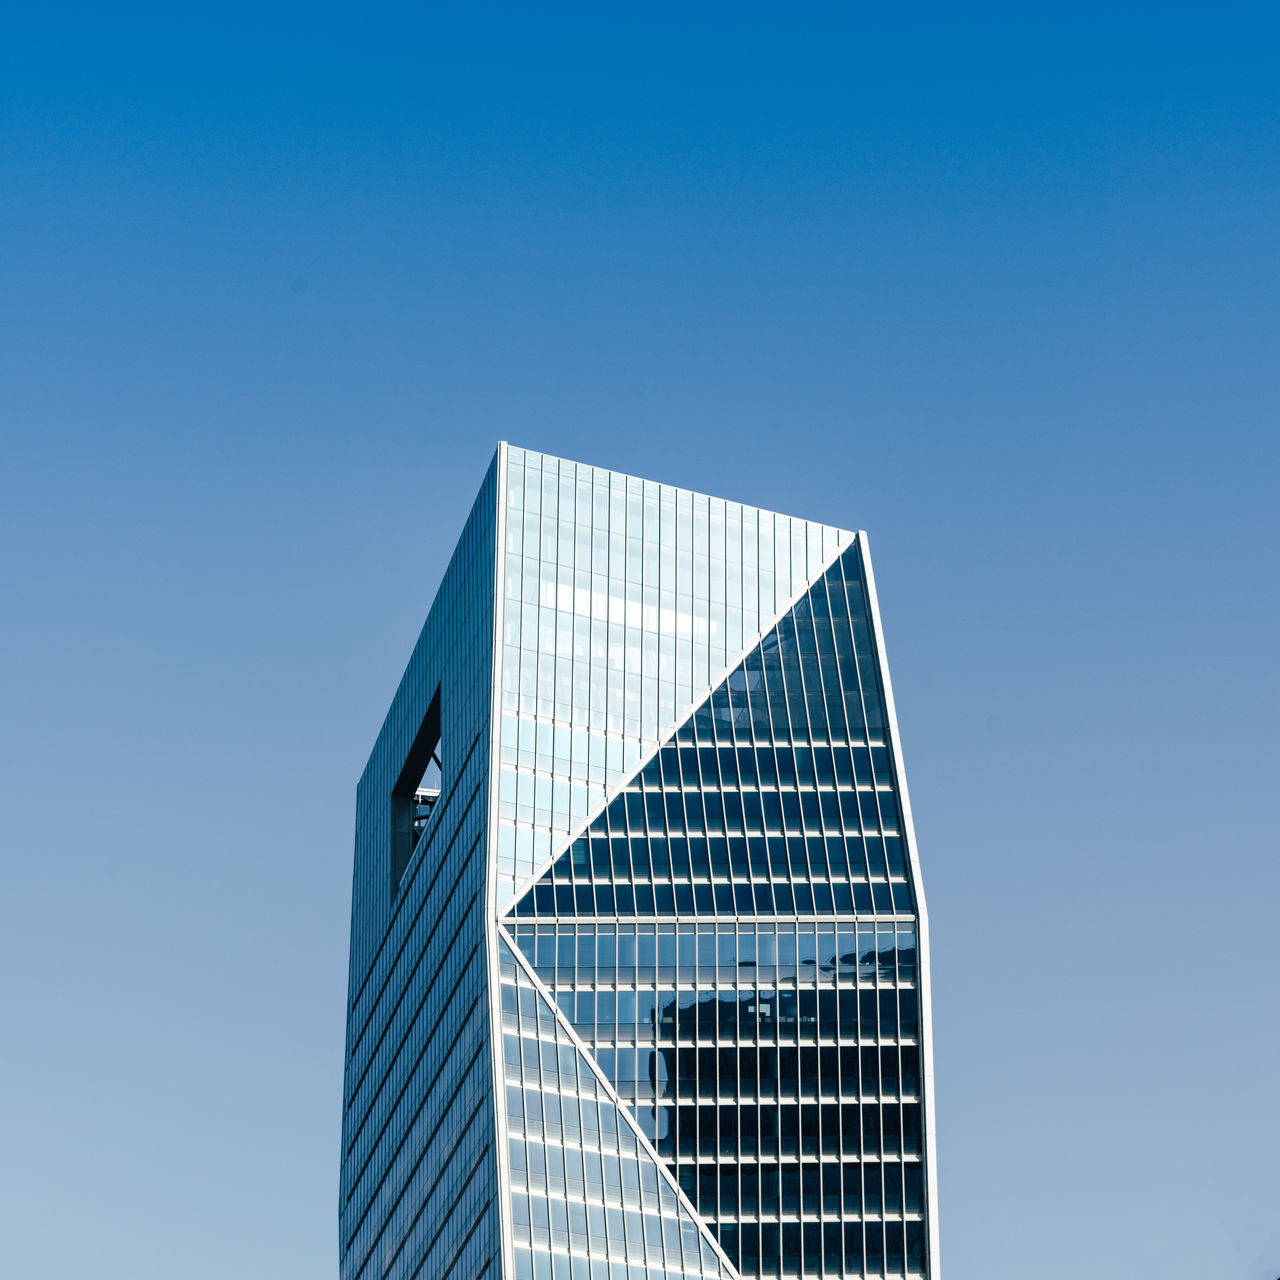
[[639, 981]]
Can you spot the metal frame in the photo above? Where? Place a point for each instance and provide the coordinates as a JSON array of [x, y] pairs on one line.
[[925, 975], [506, 1238]]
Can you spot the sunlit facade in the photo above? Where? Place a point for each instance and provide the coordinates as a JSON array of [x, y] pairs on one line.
[[639, 961]]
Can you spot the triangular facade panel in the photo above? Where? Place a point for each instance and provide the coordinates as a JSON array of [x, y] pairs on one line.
[[775, 797], [583, 1186], [623, 602]]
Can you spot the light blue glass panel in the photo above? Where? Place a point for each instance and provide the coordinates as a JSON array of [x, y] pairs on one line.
[[623, 601]]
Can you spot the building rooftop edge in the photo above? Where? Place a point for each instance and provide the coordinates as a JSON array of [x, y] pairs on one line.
[[663, 484]]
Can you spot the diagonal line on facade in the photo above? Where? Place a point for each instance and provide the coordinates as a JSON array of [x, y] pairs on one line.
[[664, 739], [731, 1272]]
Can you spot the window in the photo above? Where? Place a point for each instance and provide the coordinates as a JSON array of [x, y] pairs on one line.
[[416, 793]]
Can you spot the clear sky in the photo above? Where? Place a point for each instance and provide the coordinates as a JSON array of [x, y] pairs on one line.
[[998, 283]]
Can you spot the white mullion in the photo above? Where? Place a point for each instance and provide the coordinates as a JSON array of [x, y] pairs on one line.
[[506, 1236], [923, 977]]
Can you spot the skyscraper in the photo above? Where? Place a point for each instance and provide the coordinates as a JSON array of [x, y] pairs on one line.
[[639, 960]]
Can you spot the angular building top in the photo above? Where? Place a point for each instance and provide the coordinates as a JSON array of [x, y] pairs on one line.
[[639, 957]]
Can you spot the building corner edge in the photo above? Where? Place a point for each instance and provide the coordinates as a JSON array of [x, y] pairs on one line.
[[925, 977]]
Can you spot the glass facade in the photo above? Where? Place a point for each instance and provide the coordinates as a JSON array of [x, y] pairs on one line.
[[419, 1176], [700, 960]]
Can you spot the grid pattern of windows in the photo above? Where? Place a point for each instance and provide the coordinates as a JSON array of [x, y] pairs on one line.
[[583, 1188], [734, 936], [624, 600], [776, 796]]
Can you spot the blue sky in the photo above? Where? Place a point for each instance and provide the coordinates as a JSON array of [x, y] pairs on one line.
[[998, 284]]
